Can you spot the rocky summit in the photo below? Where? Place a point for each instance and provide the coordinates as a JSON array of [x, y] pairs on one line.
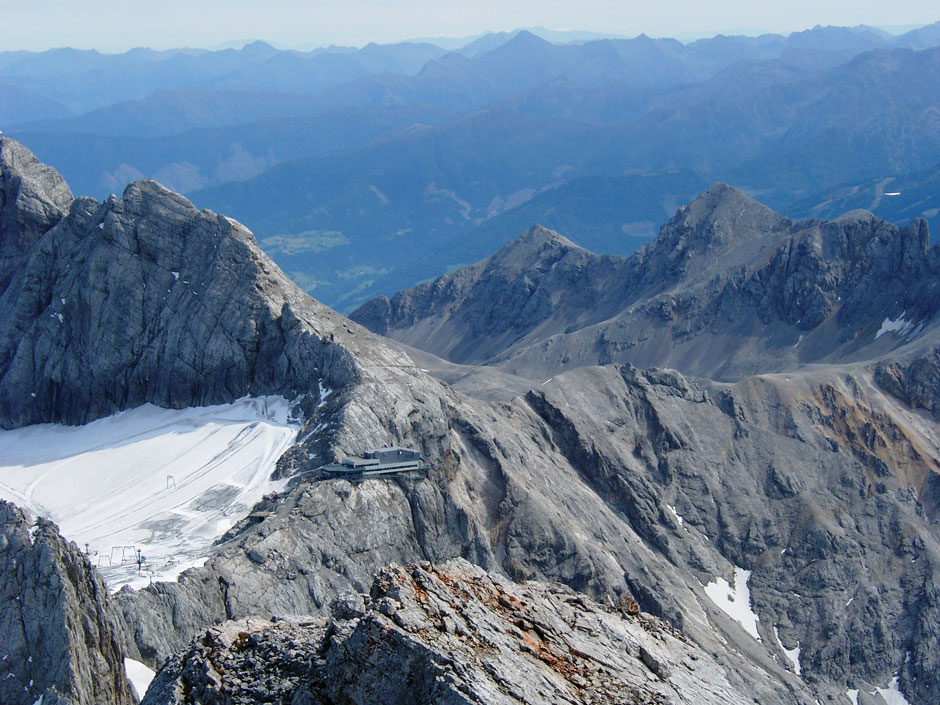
[[448, 633], [775, 519]]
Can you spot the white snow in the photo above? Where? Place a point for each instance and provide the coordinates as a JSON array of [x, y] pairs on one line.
[[139, 676], [675, 514], [793, 655], [901, 326], [324, 393], [176, 275], [165, 482], [891, 695], [735, 600]]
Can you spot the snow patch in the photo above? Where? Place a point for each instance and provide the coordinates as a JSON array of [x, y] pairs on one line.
[[176, 275], [892, 695], [902, 327], [793, 655], [139, 675], [675, 513], [324, 393], [165, 482], [735, 599]]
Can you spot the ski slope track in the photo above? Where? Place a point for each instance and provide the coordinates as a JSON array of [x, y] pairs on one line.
[[167, 482]]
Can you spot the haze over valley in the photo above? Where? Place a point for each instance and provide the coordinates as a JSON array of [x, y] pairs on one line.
[[392, 164]]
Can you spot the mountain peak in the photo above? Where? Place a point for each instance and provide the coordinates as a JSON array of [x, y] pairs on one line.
[[150, 190], [524, 39], [535, 245], [16, 160], [33, 198], [729, 214], [259, 47], [723, 227], [539, 235]]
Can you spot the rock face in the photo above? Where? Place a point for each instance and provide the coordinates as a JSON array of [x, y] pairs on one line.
[[728, 289], [812, 485], [61, 639], [134, 300], [33, 198], [448, 634], [481, 310]]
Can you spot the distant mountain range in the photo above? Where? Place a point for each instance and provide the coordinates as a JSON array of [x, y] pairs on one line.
[[363, 171], [724, 268]]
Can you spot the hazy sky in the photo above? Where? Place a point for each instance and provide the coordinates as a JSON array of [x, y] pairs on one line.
[[117, 25]]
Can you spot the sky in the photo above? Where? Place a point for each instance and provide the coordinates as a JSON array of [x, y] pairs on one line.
[[118, 25]]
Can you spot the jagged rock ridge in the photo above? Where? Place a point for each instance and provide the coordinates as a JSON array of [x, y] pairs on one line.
[[448, 634], [728, 289], [146, 299], [62, 641]]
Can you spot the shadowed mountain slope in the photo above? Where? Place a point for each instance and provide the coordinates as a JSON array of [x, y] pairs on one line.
[[62, 638]]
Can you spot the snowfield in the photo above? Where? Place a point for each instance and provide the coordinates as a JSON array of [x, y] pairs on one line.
[[139, 675], [163, 481], [735, 599]]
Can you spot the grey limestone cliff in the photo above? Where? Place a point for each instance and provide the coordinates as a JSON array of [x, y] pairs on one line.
[[146, 299], [637, 485], [62, 641], [33, 198]]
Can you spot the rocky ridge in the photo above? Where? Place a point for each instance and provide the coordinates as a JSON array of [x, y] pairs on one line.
[[131, 301], [813, 486], [728, 289], [33, 198], [62, 640], [450, 633]]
